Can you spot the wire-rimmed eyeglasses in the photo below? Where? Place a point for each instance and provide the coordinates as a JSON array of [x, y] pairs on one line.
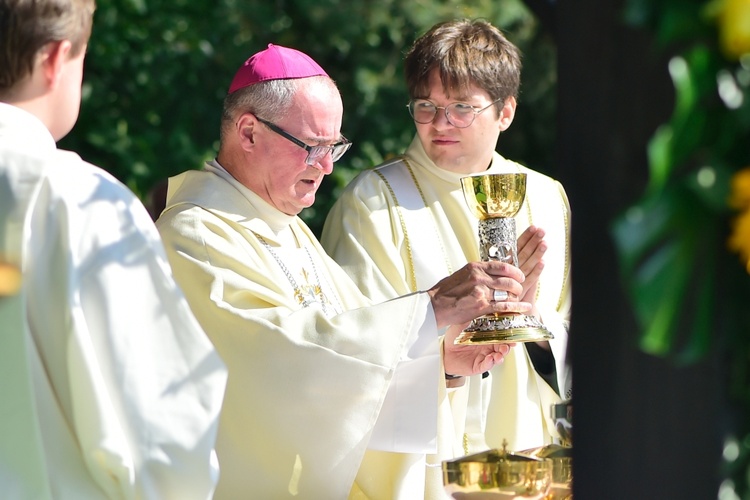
[[314, 153], [459, 114]]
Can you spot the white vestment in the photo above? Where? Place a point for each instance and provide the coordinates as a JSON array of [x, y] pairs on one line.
[[108, 386], [405, 225], [323, 385]]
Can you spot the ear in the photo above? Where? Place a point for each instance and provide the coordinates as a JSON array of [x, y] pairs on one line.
[[507, 113], [246, 126], [54, 55]]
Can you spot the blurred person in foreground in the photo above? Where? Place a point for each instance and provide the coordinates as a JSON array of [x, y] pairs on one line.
[[108, 386], [406, 223], [319, 377]]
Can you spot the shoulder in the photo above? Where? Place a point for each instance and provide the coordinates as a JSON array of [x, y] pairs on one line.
[[371, 187], [535, 178], [200, 217], [545, 191], [188, 221], [75, 179], [89, 212], [63, 174]]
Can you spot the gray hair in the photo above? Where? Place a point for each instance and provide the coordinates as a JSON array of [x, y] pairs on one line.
[[269, 100]]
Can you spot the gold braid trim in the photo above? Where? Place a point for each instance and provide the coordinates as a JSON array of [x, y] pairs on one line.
[[410, 256], [434, 226], [567, 253], [566, 264], [402, 222]]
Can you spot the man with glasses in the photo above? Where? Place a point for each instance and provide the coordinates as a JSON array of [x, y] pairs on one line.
[[406, 223], [327, 392]]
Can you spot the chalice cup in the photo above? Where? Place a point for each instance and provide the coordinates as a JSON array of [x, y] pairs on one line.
[[495, 199]]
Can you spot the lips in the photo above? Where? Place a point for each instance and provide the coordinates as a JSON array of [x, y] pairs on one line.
[[312, 182], [444, 141]]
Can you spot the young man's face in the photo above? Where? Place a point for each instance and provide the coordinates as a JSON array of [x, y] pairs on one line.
[[462, 150]]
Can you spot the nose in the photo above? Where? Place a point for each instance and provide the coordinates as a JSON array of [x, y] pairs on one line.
[[441, 119], [325, 164]]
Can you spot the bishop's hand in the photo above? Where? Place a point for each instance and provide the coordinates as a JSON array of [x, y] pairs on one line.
[[470, 292]]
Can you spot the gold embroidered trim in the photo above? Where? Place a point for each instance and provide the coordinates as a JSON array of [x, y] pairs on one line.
[[410, 257], [527, 202], [402, 222], [567, 253], [566, 263], [434, 219]]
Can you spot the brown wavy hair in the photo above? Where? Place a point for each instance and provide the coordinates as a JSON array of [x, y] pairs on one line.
[[465, 52]]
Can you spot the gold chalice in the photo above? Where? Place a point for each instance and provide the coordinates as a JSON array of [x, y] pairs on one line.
[[495, 199]]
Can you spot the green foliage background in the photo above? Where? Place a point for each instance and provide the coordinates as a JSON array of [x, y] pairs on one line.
[[157, 71], [688, 290]]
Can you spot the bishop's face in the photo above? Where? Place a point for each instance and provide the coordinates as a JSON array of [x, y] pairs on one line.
[[281, 176], [463, 150]]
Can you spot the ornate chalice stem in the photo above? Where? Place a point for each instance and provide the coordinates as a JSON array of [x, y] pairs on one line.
[[497, 240]]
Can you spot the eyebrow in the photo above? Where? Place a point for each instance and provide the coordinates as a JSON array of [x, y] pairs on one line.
[[451, 99], [323, 142]]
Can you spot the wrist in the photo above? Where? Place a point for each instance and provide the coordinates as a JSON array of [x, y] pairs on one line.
[[453, 381]]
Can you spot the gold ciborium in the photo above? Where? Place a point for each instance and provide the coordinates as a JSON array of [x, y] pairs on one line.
[[561, 457], [561, 454], [495, 199], [497, 474]]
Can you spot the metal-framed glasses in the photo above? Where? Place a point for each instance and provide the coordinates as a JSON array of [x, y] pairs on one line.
[[459, 114], [314, 153]]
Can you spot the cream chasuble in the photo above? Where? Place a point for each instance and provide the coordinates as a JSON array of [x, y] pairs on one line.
[[405, 225], [319, 379], [109, 388]]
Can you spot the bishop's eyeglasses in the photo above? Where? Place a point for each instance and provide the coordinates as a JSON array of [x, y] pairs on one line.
[[459, 114], [314, 153]]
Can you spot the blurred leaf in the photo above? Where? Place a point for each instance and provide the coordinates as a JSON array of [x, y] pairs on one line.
[[667, 250]]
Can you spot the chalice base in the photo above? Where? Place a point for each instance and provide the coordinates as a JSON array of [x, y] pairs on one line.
[[504, 329]]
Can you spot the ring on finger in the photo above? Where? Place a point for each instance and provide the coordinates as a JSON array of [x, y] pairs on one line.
[[499, 295]]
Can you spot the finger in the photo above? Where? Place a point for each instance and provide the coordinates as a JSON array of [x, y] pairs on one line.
[[491, 360], [526, 236], [499, 295], [498, 357], [513, 287], [530, 238], [501, 348], [531, 255], [534, 274], [495, 269], [511, 307]]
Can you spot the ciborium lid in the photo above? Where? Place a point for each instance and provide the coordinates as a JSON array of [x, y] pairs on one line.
[[494, 195]]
